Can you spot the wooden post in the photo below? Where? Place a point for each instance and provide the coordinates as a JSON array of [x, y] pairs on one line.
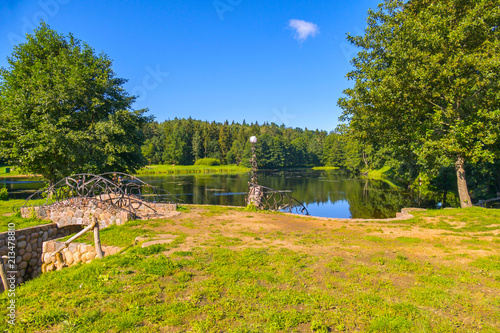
[[97, 240], [3, 273]]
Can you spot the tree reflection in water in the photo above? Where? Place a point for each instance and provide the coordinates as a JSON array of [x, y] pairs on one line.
[[328, 193]]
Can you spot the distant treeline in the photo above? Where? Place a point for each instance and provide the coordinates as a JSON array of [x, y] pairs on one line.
[[184, 141]]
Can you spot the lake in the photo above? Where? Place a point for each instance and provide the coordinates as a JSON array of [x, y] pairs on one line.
[[326, 193]]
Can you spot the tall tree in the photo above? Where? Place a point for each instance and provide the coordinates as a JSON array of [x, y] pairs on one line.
[[154, 144], [63, 110], [333, 151], [197, 145], [427, 82], [177, 144], [224, 142]]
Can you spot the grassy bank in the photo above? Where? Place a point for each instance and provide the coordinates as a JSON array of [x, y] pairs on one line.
[[186, 169], [12, 172], [172, 169], [160, 169], [236, 271], [325, 168], [385, 174]]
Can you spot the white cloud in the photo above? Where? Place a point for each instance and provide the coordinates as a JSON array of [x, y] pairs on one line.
[[303, 29]]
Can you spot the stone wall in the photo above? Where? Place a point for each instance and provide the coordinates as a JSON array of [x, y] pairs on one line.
[[28, 248], [77, 215], [79, 211], [72, 255]]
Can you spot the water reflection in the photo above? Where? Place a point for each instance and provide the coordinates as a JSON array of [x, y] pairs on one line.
[[20, 188], [327, 193]]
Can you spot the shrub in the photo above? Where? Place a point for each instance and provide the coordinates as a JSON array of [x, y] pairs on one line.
[[4, 194], [251, 208], [207, 161]]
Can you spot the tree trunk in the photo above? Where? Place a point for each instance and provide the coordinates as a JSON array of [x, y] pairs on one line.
[[498, 182], [463, 193], [365, 159], [445, 192]]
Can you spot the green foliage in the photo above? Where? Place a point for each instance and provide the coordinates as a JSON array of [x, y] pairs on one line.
[[63, 111], [184, 209], [4, 194], [251, 208], [207, 161], [224, 142]]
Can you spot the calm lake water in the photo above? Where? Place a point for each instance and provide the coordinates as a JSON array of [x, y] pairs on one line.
[[327, 193]]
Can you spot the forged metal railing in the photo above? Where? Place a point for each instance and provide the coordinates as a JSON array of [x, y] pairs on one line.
[[116, 189], [266, 198]]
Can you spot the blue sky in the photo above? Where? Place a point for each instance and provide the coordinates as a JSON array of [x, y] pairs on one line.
[[267, 61]]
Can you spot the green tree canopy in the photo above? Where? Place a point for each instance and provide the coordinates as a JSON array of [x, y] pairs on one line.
[[64, 111], [427, 82]]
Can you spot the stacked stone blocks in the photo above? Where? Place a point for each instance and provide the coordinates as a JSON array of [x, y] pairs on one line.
[[75, 253], [80, 211]]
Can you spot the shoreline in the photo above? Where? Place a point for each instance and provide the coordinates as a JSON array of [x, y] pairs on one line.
[[157, 170], [404, 214]]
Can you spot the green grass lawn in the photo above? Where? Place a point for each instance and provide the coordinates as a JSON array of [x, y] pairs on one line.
[[474, 220], [12, 173], [8, 215], [344, 277], [180, 169]]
